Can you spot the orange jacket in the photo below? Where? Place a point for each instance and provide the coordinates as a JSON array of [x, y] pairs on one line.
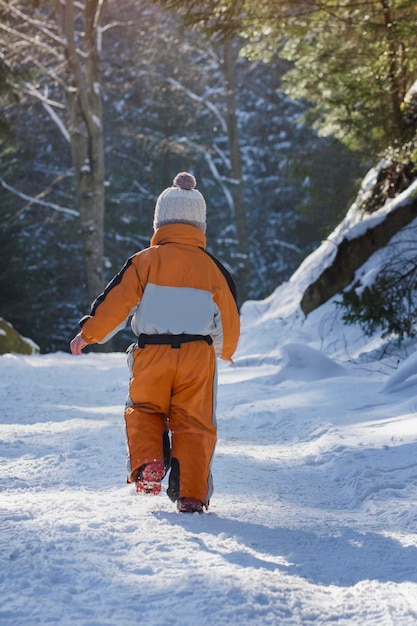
[[172, 287]]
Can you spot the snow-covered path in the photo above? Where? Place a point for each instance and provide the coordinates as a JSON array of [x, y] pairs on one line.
[[313, 518]]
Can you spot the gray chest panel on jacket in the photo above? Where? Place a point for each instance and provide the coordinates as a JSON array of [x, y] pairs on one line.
[[175, 310]]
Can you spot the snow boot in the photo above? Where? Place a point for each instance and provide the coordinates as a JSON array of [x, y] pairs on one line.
[[189, 505], [149, 478]]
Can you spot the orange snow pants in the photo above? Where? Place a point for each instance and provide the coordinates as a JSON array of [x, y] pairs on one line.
[[174, 390]]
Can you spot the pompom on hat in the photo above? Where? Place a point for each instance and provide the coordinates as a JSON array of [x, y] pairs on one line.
[[181, 203]]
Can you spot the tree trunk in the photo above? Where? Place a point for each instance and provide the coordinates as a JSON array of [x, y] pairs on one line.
[[229, 67], [85, 118], [396, 69]]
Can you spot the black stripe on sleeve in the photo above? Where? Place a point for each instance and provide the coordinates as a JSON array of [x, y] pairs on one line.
[[113, 283], [231, 283]]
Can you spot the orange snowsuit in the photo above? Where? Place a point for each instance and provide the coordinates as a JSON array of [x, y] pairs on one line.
[[175, 292]]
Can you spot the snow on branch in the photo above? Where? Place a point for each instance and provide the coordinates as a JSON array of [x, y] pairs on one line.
[[223, 157], [52, 73], [49, 106], [116, 24], [201, 100], [219, 179], [97, 16], [285, 244], [28, 20], [31, 90], [55, 118], [34, 200], [31, 40]]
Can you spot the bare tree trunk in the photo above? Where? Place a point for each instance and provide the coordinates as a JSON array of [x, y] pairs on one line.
[[85, 120], [229, 68]]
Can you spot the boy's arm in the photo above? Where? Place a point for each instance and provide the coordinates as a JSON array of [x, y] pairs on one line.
[[228, 311], [110, 311], [230, 329], [228, 323]]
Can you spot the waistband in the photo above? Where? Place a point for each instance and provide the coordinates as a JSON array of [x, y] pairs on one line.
[[174, 341]]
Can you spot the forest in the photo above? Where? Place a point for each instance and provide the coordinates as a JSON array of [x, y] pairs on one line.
[[279, 109]]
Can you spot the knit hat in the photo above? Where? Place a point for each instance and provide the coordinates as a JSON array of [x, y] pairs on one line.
[[181, 203]]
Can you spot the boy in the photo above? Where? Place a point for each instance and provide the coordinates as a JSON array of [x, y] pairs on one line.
[[184, 311]]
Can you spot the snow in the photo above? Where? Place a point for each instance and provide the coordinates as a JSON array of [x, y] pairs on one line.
[[314, 514], [404, 376], [96, 121], [313, 518]]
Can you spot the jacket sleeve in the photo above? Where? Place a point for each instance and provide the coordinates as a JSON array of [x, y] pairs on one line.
[[111, 310], [228, 321]]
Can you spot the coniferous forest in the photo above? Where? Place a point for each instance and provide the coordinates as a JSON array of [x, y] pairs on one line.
[[277, 109]]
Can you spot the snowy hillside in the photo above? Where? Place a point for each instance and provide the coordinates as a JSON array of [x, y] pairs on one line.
[[314, 514]]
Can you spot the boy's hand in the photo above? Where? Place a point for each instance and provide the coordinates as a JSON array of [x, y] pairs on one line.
[[77, 344]]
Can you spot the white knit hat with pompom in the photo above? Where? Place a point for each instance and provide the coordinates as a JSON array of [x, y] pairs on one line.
[[181, 203]]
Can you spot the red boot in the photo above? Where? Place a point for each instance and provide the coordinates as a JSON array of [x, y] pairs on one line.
[[189, 505], [149, 478]]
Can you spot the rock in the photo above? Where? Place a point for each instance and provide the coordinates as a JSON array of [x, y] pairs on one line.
[[352, 253], [11, 341]]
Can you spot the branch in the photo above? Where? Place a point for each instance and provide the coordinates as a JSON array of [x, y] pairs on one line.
[[289, 246], [55, 118], [31, 40], [52, 73], [201, 100], [213, 168], [223, 157], [30, 90], [34, 200], [98, 14], [36, 23], [115, 24], [219, 179]]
